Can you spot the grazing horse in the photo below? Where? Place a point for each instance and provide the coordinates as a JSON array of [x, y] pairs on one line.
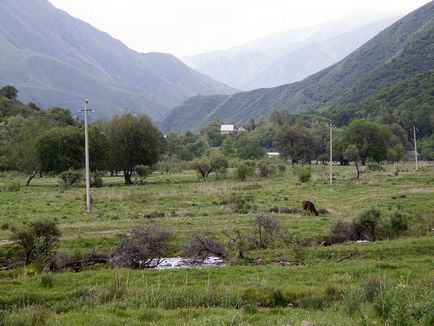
[[308, 206]]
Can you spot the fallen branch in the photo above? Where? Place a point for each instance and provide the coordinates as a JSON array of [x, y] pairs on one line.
[[346, 257]]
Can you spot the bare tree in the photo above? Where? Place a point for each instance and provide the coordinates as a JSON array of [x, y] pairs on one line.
[[143, 248], [267, 227], [202, 246]]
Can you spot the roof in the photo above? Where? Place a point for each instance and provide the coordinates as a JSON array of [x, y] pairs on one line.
[[227, 128]]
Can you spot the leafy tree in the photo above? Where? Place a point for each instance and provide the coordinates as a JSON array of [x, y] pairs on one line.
[[295, 143], [369, 138], [248, 148], [98, 149], [9, 92], [61, 149], [133, 141], [37, 239], [227, 147], [352, 154], [20, 137], [212, 133], [205, 165], [61, 116]]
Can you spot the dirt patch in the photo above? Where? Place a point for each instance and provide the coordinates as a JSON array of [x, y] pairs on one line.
[[417, 191]]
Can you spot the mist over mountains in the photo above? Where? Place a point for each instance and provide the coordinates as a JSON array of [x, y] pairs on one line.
[[401, 52], [290, 56], [56, 60]]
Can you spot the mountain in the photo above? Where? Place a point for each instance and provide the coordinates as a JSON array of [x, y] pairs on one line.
[[54, 59], [280, 58], [315, 56], [400, 52]]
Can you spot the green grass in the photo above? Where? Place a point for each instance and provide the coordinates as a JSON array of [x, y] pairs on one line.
[[319, 289]]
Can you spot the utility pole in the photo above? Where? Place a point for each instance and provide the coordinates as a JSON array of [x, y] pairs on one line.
[[415, 147], [331, 153], [86, 153]]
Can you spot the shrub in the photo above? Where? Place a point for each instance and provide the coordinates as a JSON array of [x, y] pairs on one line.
[[242, 204], [344, 231], [96, 180], [141, 172], [266, 169], [244, 171], [373, 167], [398, 223], [206, 165], [70, 177], [202, 246], [303, 173], [142, 248], [36, 240], [281, 168], [267, 229], [369, 220]]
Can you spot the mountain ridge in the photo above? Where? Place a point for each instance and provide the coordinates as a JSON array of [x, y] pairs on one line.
[[80, 61], [400, 52]]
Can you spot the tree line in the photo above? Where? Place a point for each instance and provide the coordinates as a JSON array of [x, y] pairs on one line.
[[36, 141]]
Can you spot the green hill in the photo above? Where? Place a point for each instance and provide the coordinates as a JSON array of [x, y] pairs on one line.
[[54, 59], [400, 52]]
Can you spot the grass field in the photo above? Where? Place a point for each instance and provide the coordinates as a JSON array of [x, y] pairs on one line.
[[388, 282]]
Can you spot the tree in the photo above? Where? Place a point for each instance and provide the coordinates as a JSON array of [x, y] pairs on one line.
[[20, 137], [9, 92], [133, 141], [98, 149], [205, 165], [369, 138], [295, 143], [61, 149], [37, 239], [352, 154], [61, 116], [248, 148]]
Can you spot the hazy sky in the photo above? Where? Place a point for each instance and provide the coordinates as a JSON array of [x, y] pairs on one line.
[[185, 27]]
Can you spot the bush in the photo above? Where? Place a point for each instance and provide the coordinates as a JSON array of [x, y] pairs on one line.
[[70, 177], [143, 247], [281, 168], [304, 173], [96, 180], [344, 231], [267, 229], [202, 246], [142, 171], [244, 171], [369, 220], [36, 240], [242, 204], [398, 223], [206, 165], [266, 169], [375, 167]]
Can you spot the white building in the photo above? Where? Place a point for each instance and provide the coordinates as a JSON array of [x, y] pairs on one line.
[[227, 129]]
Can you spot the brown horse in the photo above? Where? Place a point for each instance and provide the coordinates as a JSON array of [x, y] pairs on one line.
[[308, 206]]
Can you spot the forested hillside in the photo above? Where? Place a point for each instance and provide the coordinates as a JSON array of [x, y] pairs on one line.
[[401, 52]]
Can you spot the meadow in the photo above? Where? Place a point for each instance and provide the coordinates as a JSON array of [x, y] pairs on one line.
[[387, 282]]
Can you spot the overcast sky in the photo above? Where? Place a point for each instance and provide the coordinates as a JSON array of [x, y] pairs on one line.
[[185, 27]]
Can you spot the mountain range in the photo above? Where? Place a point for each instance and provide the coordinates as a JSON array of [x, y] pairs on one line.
[[290, 56], [54, 59], [400, 52]]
